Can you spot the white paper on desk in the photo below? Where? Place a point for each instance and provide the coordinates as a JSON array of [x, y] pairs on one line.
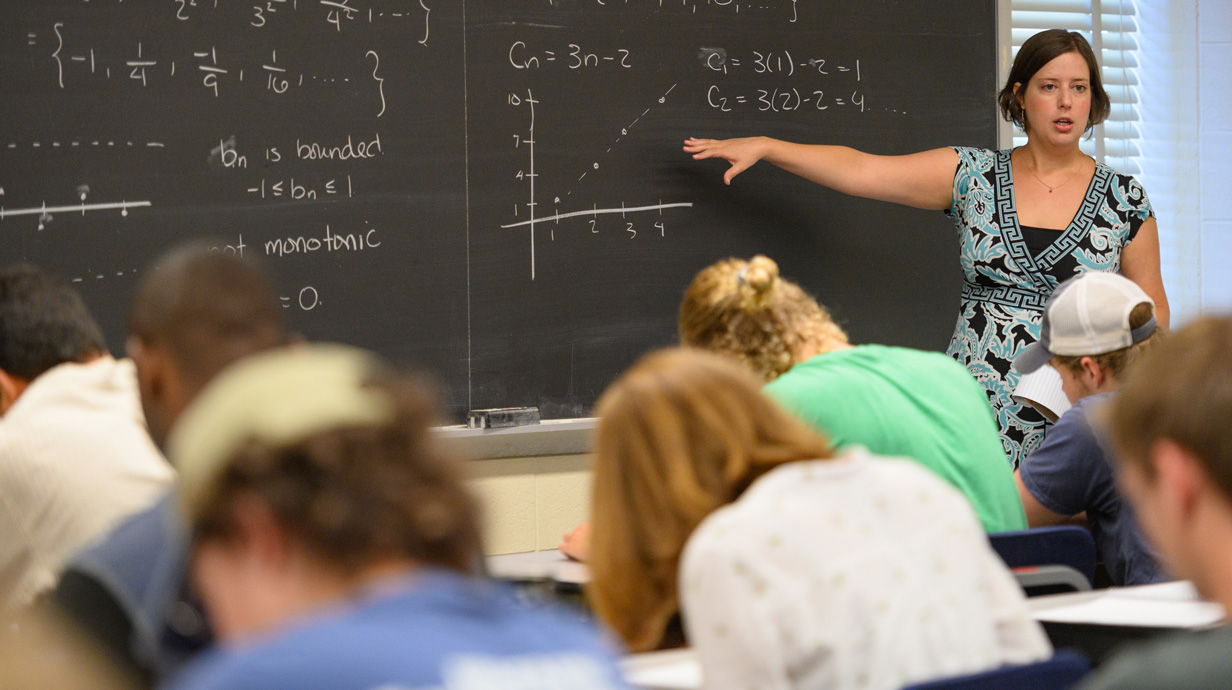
[[1041, 389], [1181, 590], [538, 565], [1135, 611], [676, 669]]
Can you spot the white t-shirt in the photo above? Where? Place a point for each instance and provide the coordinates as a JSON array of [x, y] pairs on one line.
[[75, 457], [858, 572]]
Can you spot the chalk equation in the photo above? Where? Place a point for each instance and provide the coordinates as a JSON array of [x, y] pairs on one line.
[[335, 13], [776, 62], [213, 70], [782, 100], [789, 11], [571, 56]]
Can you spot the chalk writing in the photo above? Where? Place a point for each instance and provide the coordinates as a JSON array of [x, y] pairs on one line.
[[571, 56], [302, 190], [312, 151], [328, 242], [160, 70], [783, 100]]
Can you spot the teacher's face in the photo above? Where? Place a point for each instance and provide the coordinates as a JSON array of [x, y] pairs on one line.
[[1057, 101]]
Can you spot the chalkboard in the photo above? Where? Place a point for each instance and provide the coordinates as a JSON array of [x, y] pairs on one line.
[[489, 189]]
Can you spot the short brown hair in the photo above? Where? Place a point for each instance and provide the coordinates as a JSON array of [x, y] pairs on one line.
[[1038, 51], [355, 494], [1181, 391], [680, 434], [1118, 362], [207, 309], [744, 309]]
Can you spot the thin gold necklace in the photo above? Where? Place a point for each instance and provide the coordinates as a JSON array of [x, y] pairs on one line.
[[1050, 187]]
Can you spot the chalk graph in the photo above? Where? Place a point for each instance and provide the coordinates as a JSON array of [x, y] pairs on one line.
[[529, 101]]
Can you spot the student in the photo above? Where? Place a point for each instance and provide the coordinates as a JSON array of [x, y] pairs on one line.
[[74, 454], [198, 312], [1094, 327], [333, 540], [802, 569], [1169, 431], [894, 401]]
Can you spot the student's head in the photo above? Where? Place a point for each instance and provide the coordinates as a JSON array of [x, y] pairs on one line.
[[1047, 63], [1095, 326], [196, 312], [43, 323], [1169, 428], [680, 434], [309, 472], [744, 309]]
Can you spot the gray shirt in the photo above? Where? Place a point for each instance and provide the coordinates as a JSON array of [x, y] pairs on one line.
[[1183, 660]]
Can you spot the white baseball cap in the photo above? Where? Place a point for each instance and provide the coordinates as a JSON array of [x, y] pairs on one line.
[[1088, 315]]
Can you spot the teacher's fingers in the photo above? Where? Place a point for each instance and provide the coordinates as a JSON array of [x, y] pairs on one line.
[[698, 148], [735, 169]]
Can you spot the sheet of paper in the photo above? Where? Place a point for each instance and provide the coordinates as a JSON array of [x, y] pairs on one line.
[[676, 669], [1169, 605], [1042, 390], [1181, 590], [538, 565]]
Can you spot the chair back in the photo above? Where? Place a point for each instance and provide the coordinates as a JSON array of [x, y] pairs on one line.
[[1061, 672], [1067, 545]]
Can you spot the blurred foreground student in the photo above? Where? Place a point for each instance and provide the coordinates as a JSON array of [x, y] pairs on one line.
[[1094, 327], [1170, 431], [802, 569], [196, 313], [894, 401], [333, 541], [74, 453]]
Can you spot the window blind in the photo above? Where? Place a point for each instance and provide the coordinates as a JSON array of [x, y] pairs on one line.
[[1111, 27]]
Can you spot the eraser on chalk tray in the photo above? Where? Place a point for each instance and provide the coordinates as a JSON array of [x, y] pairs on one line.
[[501, 417]]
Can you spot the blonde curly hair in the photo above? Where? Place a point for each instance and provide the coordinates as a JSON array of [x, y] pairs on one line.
[[744, 309]]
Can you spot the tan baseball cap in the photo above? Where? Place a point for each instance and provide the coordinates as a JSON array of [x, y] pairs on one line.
[[274, 398]]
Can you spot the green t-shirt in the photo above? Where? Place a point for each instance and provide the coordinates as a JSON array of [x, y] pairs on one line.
[[910, 403]]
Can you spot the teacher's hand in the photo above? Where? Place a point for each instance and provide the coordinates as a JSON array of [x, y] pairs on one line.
[[741, 153]]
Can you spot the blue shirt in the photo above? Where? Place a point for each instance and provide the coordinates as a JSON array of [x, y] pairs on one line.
[[438, 630], [1068, 474], [138, 573]]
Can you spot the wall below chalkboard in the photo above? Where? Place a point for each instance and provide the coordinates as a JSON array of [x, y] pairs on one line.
[[489, 189]]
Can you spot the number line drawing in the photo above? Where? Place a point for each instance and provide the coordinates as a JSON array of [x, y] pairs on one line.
[[599, 212], [530, 98], [48, 210]]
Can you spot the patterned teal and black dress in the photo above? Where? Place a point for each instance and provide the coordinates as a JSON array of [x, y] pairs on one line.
[[1010, 270]]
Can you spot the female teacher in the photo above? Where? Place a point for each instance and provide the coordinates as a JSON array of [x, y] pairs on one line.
[[1027, 218]]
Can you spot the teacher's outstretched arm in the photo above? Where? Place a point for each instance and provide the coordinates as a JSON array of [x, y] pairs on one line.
[[923, 180]]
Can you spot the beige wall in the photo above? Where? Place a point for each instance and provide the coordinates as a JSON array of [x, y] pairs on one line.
[[528, 503]]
